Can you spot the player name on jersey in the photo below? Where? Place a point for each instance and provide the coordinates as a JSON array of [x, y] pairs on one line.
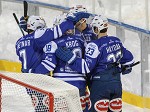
[[24, 43], [72, 44], [112, 48]]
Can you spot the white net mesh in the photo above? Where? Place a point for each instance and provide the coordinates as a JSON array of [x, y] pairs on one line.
[[17, 97]]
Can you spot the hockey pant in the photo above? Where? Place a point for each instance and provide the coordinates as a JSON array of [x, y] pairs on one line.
[[106, 92], [103, 93]]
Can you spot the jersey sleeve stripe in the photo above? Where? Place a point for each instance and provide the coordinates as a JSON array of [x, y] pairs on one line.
[[86, 67], [68, 74], [59, 31], [49, 63], [71, 79], [47, 67], [55, 33], [83, 70]]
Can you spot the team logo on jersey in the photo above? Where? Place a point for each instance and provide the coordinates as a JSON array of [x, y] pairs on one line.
[[96, 77], [61, 69], [111, 41], [69, 38]]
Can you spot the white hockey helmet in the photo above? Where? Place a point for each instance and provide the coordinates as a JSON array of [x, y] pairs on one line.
[[104, 18], [35, 22], [100, 22], [59, 19], [77, 8]]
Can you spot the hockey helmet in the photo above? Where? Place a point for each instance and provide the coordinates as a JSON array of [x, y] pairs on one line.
[[77, 8], [100, 22], [35, 22]]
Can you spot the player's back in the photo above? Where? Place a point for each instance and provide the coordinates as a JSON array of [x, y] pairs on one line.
[[26, 49], [109, 52], [110, 48], [62, 70], [29, 48], [102, 56]]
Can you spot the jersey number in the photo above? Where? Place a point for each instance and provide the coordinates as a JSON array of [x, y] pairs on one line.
[[78, 52], [90, 51], [23, 55], [114, 57]]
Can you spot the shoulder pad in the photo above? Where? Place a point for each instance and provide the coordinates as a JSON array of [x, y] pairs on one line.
[[50, 47], [39, 32], [116, 38], [92, 50]]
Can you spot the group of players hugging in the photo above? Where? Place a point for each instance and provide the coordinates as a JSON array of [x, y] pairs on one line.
[[80, 52]]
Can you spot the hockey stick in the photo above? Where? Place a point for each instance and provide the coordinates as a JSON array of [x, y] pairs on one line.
[[18, 23], [25, 4], [134, 64]]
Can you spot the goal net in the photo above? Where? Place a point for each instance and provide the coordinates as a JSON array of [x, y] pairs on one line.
[[26, 92]]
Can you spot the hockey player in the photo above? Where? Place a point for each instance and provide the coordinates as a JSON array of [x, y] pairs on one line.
[[102, 59], [29, 48], [82, 28], [60, 69]]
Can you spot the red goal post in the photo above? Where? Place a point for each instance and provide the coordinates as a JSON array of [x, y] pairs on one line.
[[28, 92]]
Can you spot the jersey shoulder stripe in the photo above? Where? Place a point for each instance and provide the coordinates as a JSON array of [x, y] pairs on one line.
[[39, 32]]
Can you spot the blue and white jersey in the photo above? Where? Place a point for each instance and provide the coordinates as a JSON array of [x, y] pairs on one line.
[[86, 34], [100, 53], [29, 48], [61, 69]]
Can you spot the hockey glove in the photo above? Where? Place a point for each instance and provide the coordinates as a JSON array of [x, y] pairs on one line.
[[126, 69], [23, 23], [76, 17], [65, 55]]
